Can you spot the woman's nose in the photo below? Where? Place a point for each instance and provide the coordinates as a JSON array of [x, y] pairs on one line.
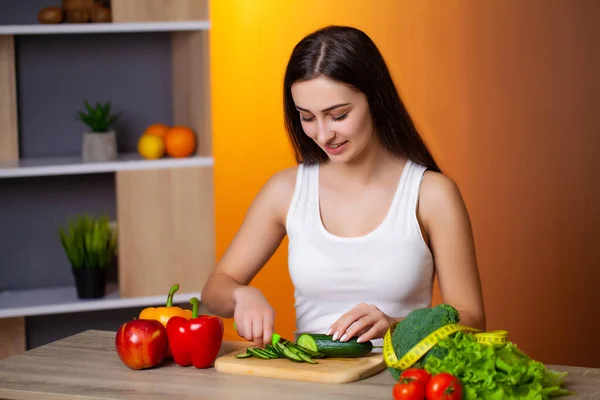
[[324, 134]]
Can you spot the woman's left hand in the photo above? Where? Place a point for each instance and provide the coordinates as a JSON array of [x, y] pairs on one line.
[[364, 320]]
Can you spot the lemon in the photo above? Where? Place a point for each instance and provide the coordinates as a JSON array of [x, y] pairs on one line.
[[151, 146]]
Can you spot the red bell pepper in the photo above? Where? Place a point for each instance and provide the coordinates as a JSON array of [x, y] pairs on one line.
[[196, 341]]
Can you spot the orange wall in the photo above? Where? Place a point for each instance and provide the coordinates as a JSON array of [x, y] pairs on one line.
[[505, 103]]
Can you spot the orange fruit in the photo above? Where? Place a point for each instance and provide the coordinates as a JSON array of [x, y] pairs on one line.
[[180, 141], [157, 129], [151, 146]]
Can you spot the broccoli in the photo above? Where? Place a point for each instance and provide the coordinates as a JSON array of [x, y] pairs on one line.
[[416, 326]]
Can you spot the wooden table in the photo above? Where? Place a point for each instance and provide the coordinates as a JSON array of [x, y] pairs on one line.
[[86, 366]]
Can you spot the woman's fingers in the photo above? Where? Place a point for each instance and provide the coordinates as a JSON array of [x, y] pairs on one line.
[[339, 327], [377, 331], [268, 322], [257, 331], [364, 320], [362, 325], [248, 329], [257, 328]]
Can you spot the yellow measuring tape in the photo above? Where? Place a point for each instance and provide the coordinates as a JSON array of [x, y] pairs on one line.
[[421, 348]]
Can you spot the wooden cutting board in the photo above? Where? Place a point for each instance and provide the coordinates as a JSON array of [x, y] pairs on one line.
[[328, 370]]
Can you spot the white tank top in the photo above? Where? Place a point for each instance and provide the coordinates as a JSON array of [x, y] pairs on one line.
[[390, 267]]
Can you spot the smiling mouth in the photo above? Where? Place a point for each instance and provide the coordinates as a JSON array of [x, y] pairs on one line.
[[335, 146]]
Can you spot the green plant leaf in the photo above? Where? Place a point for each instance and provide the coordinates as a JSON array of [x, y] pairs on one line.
[[88, 242], [89, 108], [98, 118]]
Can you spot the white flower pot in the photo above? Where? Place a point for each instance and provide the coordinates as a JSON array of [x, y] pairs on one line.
[[99, 146]]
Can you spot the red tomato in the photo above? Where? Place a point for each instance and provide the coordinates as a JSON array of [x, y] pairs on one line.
[[444, 386], [415, 374], [412, 390]]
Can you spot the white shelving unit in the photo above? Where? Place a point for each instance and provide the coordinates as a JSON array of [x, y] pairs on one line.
[[74, 165], [58, 300], [112, 27]]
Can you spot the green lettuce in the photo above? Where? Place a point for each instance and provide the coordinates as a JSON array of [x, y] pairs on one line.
[[496, 372]]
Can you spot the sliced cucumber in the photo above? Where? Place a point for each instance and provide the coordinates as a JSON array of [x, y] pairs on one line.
[[243, 355], [325, 345], [256, 352], [300, 353], [306, 358], [270, 350], [287, 353], [294, 349], [307, 341], [282, 348], [310, 353]]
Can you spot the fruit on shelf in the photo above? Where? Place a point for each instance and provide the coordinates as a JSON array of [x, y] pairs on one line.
[[50, 15], [157, 129], [151, 147], [160, 139], [180, 141]]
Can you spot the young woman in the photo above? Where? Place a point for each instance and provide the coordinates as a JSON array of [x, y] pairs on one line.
[[369, 216]]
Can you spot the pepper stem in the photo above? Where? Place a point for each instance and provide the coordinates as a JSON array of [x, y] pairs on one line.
[[194, 302], [174, 288]]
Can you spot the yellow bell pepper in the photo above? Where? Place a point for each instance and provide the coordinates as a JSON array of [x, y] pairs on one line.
[[164, 314]]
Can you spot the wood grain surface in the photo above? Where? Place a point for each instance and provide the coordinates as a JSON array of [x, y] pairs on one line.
[[158, 10], [165, 230], [333, 370], [86, 366], [9, 134], [12, 336]]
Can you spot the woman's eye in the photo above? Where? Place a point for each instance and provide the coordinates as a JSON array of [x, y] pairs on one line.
[[305, 119], [341, 117]]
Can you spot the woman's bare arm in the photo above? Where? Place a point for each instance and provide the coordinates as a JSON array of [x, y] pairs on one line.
[[259, 236], [445, 219]]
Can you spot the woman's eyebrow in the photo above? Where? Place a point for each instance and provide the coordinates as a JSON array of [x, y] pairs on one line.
[[325, 109]]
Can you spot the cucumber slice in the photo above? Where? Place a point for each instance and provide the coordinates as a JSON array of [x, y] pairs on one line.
[[306, 358], [308, 342], [258, 354], [269, 350], [243, 355], [312, 354], [300, 353], [267, 353], [295, 349], [287, 353], [291, 355]]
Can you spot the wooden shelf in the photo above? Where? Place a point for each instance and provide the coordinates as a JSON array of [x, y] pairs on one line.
[[58, 300], [178, 246], [111, 27], [74, 165]]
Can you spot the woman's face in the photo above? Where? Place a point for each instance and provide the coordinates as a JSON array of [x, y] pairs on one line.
[[335, 116]]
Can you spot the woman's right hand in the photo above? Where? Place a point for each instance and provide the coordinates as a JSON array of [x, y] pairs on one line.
[[253, 315]]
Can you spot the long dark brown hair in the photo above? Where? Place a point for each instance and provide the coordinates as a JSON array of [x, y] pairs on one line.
[[349, 56]]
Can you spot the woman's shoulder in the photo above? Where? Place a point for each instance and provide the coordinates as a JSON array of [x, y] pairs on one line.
[[437, 185], [283, 180], [439, 195], [278, 190]]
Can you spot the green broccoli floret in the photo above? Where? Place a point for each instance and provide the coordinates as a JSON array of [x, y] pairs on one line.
[[416, 326]]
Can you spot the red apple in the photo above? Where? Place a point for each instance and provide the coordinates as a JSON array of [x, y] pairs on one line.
[[141, 343]]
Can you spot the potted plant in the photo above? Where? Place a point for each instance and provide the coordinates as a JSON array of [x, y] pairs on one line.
[[100, 142], [90, 246]]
